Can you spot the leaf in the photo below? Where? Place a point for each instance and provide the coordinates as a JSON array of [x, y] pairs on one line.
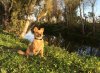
[[3, 70]]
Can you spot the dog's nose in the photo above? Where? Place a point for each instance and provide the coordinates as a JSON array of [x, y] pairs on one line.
[[39, 34]]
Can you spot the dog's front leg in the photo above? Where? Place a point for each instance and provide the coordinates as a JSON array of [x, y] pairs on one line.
[[35, 52], [27, 52], [41, 52]]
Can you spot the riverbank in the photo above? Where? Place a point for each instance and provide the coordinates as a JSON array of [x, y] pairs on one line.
[[56, 60]]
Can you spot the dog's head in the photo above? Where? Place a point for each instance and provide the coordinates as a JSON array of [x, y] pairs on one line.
[[38, 33]]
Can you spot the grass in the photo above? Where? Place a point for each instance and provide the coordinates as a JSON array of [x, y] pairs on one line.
[[56, 60]]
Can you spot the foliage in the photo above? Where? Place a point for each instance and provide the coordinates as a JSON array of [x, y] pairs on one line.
[[15, 12], [56, 60]]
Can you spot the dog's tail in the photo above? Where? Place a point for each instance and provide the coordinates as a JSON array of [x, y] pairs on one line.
[[21, 52]]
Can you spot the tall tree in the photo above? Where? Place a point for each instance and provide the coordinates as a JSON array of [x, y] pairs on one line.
[[81, 7], [14, 10], [92, 2], [29, 11], [7, 5], [71, 5]]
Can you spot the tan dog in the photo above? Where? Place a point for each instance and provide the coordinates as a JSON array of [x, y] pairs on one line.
[[37, 45]]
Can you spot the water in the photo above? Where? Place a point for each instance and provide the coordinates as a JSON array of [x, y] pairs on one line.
[[87, 50], [71, 46]]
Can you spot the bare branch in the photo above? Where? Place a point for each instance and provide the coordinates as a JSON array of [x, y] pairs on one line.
[[11, 6]]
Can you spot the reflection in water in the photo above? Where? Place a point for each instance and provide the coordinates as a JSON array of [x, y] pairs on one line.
[[87, 50], [71, 46]]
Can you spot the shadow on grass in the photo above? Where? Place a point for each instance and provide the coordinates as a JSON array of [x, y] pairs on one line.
[[7, 49]]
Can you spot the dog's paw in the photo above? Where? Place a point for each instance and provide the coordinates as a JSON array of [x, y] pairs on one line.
[[20, 52]]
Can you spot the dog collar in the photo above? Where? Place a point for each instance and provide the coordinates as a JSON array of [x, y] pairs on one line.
[[39, 39]]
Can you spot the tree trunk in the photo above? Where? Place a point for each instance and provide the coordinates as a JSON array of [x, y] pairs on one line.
[[93, 19], [81, 18], [25, 29], [83, 27]]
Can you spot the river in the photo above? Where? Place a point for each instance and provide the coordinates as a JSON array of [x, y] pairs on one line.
[[72, 46]]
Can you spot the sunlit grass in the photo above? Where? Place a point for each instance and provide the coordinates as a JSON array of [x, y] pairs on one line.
[[56, 60]]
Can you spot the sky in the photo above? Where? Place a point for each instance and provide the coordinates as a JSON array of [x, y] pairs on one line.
[[97, 8], [61, 6], [87, 8]]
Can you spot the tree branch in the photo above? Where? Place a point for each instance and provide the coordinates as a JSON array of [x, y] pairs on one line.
[[10, 6]]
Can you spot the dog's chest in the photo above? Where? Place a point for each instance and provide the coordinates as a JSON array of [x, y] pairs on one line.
[[38, 43]]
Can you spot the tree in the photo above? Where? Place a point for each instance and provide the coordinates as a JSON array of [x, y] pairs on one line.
[[92, 2], [28, 19], [14, 12], [7, 7], [82, 22], [49, 8], [71, 6], [99, 19], [2, 11]]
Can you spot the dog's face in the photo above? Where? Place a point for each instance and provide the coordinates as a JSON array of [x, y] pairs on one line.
[[38, 32]]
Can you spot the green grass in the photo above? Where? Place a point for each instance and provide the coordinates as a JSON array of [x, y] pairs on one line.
[[56, 60]]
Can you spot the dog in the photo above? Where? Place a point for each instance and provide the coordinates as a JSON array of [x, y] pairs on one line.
[[37, 46]]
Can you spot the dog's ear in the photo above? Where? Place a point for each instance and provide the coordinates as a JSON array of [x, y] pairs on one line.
[[35, 29], [42, 29]]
